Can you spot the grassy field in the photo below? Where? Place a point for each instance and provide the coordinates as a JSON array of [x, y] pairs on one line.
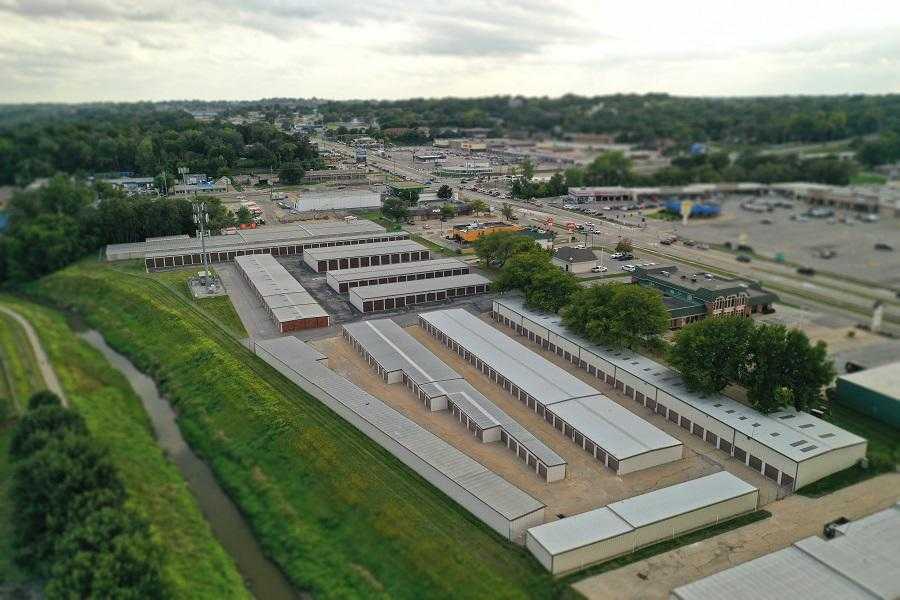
[[195, 564], [883, 452], [340, 515], [868, 178], [19, 378]]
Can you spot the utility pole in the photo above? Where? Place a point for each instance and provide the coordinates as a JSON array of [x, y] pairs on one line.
[[201, 218]]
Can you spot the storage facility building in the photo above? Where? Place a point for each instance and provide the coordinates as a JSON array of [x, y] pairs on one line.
[[338, 200], [874, 392], [289, 306], [279, 240], [612, 434], [389, 296], [365, 255], [343, 280], [789, 447], [861, 562], [502, 506], [399, 357], [596, 536]]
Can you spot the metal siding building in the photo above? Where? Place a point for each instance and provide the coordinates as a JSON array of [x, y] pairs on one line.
[[338, 200], [613, 435], [874, 392], [323, 259], [862, 562], [343, 280], [288, 305], [503, 507], [400, 358], [388, 296], [792, 448], [598, 535]]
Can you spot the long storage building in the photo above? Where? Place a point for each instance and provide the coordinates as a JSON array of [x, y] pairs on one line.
[[789, 447], [389, 296], [287, 303], [280, 240], [596, 536], [612, 434], [502, 506], [861, 562], [396, 252], [344, 280], [399, 357]]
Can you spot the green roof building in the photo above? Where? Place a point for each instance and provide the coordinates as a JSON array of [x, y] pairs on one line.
[[874, 392]]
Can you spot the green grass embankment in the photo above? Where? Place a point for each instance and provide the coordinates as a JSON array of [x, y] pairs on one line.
[[194, 563], [340, 515]]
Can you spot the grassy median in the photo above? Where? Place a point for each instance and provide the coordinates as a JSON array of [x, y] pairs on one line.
[[340, 515], [194, 563]]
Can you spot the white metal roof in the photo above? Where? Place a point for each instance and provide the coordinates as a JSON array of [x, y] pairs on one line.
[[280, 292], [353, 250], [863, 562], [796, 435], [579, 530], [680, 498], [883, 380], [534, 374], [417, 286], [293, 359], [374, 272], [395, 350], [299, 232], [618, 430]]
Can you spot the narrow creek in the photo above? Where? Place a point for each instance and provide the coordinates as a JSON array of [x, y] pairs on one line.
[[264, 579]]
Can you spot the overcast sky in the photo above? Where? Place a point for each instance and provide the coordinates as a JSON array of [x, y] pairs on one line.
[[124, 50]]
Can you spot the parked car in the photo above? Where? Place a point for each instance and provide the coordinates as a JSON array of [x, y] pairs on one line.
[[743, 258], [599, 269], [629, 268], [884, 246], [806, 271], [689, 243]]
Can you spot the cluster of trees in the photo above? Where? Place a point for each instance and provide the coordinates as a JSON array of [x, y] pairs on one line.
[[616, 314], [777, 366], [642, 119], [883, 150], [140, 138], [614, 168], [71, 525], [56, 224]]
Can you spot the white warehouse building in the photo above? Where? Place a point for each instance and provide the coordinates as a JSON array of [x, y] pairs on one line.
[[614, 436], [598, 535], [789, 447], [399, 357]]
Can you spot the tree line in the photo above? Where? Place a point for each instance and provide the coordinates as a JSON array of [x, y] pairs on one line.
[[139, 138], [71, 524], [62, 221], [616, 169], [777, 366]]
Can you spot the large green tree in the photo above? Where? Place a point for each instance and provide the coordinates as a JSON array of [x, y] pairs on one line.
[[550, 289], [496, 248], [712, 353], [617, 314], [519, 270], [395, 208]]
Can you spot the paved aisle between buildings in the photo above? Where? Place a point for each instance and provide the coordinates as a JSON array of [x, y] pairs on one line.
[[793, 518]]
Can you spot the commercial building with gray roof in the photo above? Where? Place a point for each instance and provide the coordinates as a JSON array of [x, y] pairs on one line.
[[502, 506], [861, 562], [790, 447], [399, 358], [344, 280], [390, 296], [596, 536], [395, 252], [287, 303], [612, 434]]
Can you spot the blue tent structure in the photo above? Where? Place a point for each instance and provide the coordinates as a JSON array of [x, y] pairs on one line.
[[673, 205]]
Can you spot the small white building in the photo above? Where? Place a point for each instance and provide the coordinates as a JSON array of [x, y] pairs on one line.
[[574, 260]]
